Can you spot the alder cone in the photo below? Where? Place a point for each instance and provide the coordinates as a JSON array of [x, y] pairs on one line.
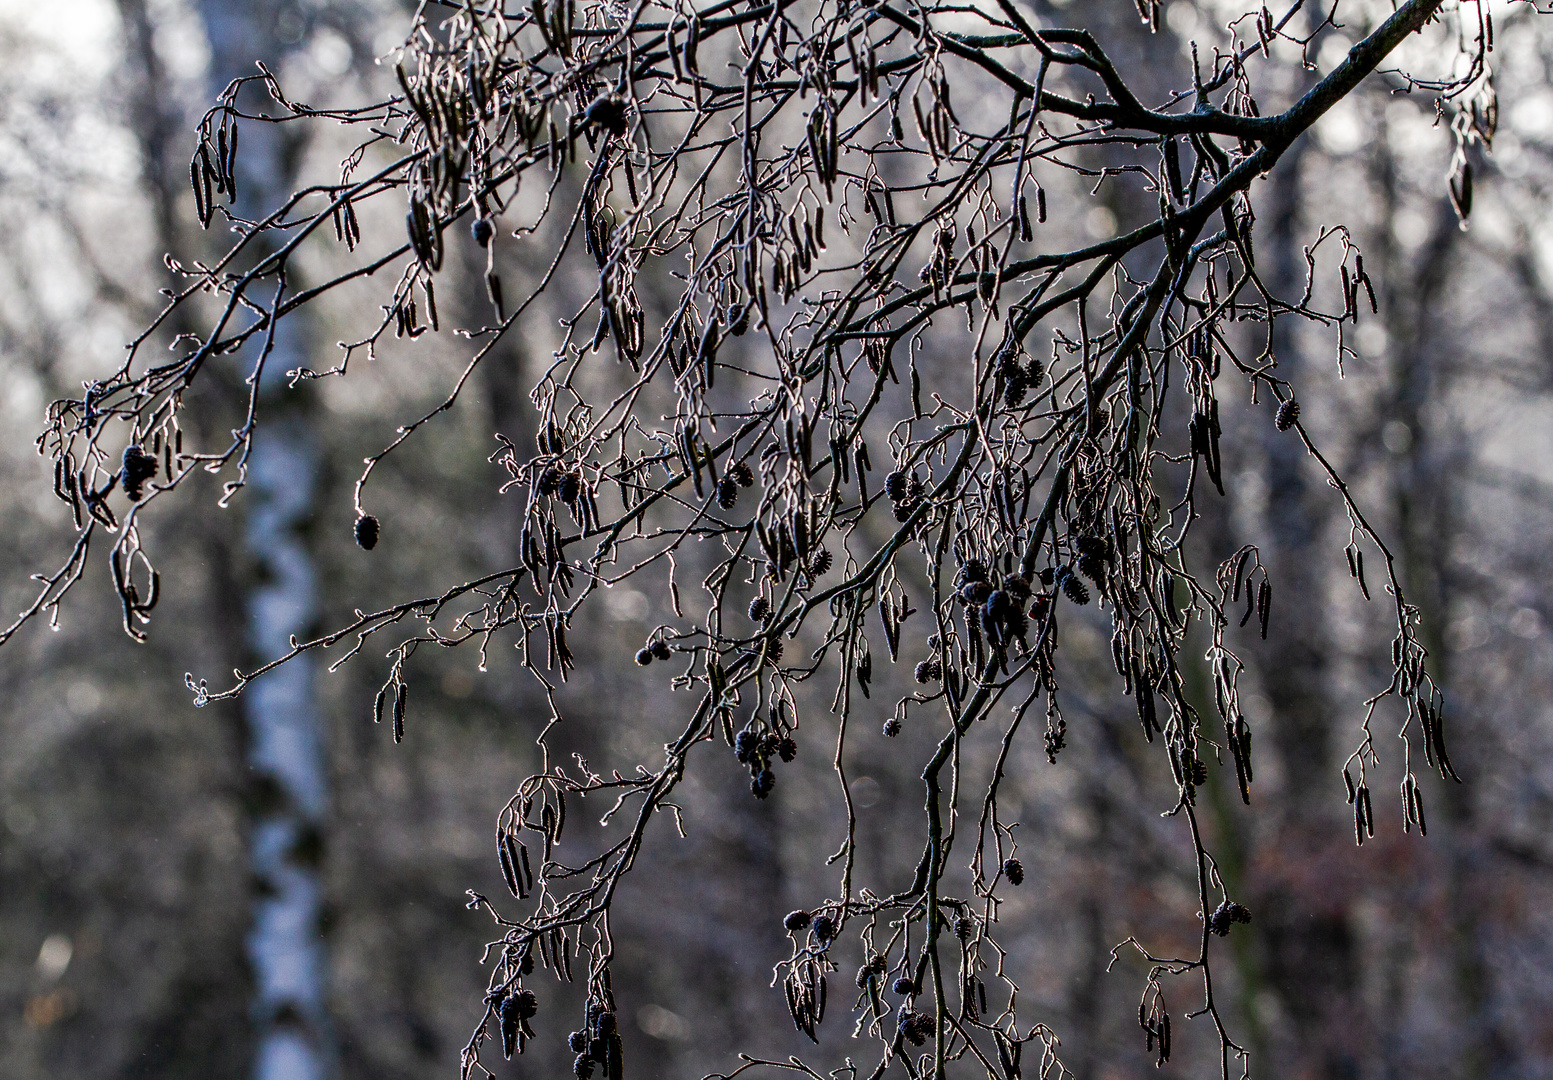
[[608, 111], [1288, 415]]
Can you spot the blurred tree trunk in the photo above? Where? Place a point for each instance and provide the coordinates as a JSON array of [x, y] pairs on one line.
[[193, 1027], [1310, 957], [285, 741], [1425, 478]]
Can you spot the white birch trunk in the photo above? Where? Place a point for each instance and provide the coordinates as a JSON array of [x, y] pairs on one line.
[[285, 740]]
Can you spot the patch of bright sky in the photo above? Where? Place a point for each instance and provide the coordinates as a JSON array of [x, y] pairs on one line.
[[81, 42], [180, 39], [84, 31]]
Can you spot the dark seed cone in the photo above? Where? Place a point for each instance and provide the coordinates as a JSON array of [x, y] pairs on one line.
[[570, 487], [976, 592], [760, 609], [661, 650], [1014, 870], [1074, 588], [997, 606], [916, 1026], [1092, 567], [1014, 392], [739, 323], [1226, 915], [366, 532], [1017, 624], [745, 746], [136, 468], [971, 570], [892, 727], [1288, 415], [742, 475], [796, 921], [516, 1010], [644, 657], [727, 492], [482, 230], [608, 111], [763, 783]]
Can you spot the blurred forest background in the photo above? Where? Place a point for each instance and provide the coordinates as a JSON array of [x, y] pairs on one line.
[[127, 890]]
